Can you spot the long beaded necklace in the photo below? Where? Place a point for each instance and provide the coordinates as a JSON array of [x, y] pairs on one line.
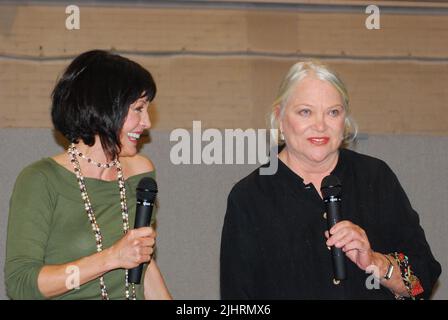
[[73, 152]]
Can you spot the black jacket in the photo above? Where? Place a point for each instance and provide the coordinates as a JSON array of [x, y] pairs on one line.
[[273, 243]]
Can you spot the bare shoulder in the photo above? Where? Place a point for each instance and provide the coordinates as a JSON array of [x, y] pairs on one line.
[[137, 164]]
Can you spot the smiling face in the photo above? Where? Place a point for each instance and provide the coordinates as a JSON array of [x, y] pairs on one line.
[[136, 121], [313, 121]]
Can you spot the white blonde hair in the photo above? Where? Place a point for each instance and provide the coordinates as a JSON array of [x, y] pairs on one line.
[[297, 73]]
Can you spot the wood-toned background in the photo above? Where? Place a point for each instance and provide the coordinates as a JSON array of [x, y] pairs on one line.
[[221, 62]]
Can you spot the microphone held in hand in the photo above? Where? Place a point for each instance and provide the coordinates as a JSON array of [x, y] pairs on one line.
[[146, 195], [331, 194]]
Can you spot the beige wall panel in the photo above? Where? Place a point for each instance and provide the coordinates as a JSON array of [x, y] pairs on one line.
[[217, 92], [398, 97], [39, 31], [25, 88], [399, 36], [237, 92], [385, 97], [214, 91], [345, 34]]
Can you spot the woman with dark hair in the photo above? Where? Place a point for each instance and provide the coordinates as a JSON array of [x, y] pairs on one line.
[[68, 228]]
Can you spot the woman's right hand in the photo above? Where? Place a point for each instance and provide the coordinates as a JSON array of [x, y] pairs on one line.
[[134, 248]]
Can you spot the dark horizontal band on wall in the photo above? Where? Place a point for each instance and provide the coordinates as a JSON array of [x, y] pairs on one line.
[[238, 54], [395, 7]]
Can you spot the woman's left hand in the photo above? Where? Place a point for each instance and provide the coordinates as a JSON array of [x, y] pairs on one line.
[[353, 241]]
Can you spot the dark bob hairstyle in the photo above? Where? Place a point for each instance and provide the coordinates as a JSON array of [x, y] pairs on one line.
[[93, 97]]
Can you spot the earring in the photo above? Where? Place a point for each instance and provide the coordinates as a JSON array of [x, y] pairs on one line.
[[282, 136]]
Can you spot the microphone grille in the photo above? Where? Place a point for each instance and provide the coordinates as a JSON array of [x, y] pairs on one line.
[[147, 189], [330, 186]]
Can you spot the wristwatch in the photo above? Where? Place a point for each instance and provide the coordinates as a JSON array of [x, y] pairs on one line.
[[390, 269]]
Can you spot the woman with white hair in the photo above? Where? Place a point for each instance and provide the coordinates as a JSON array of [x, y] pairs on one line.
[[274, 241]]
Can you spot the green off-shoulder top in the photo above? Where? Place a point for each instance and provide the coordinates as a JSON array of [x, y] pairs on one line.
[[48, 225]]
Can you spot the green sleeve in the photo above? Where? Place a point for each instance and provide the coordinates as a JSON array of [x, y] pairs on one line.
[[30, 213]]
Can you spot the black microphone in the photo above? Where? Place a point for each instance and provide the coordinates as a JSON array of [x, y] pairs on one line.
[[146, 194], [331, 193]]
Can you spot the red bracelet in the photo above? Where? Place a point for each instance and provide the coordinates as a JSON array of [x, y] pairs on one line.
[[411, 282]]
